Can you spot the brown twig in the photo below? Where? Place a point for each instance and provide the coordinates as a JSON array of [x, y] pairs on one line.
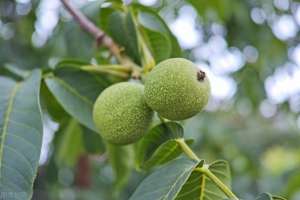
[[90, 27]]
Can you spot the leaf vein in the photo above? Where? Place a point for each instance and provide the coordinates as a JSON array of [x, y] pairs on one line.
[[6, 121], [73, 91], [22, 156], [173, 185]]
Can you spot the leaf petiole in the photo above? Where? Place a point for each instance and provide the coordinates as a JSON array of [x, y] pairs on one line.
[[147, 59], [114, 71], [186, 149]]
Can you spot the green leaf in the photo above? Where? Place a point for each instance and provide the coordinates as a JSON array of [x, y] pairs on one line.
[[121, 159], [121, 28], [70, 63], [104, 16], [51, 106], [200, 187], [70, 145], [92, 141], [159, 145], [19, 72], [268, 196], [166, 182], [21, 131], [176, 49], [293, 183], [156, 35], [164, 153], [76, 91], [162, 42]]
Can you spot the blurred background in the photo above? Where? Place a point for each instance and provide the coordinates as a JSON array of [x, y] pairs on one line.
[[250, 50]]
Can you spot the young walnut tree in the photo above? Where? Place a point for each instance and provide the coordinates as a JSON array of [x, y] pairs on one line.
[[134, 99]]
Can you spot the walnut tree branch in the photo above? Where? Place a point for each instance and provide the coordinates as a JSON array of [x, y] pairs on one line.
[[90, 27]]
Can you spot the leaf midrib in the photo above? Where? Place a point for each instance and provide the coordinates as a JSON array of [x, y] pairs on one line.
[[175, 182], [171, 150], [72, 90], [167, 154], [6, 121], [202, 187]]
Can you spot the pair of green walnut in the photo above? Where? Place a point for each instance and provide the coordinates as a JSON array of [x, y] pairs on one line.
[[175, 89]]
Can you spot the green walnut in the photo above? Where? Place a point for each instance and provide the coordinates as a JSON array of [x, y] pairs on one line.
[[176, 89], [121, 114]]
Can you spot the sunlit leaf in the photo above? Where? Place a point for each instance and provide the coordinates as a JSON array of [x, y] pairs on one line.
[[121, 28], [162, 42]]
